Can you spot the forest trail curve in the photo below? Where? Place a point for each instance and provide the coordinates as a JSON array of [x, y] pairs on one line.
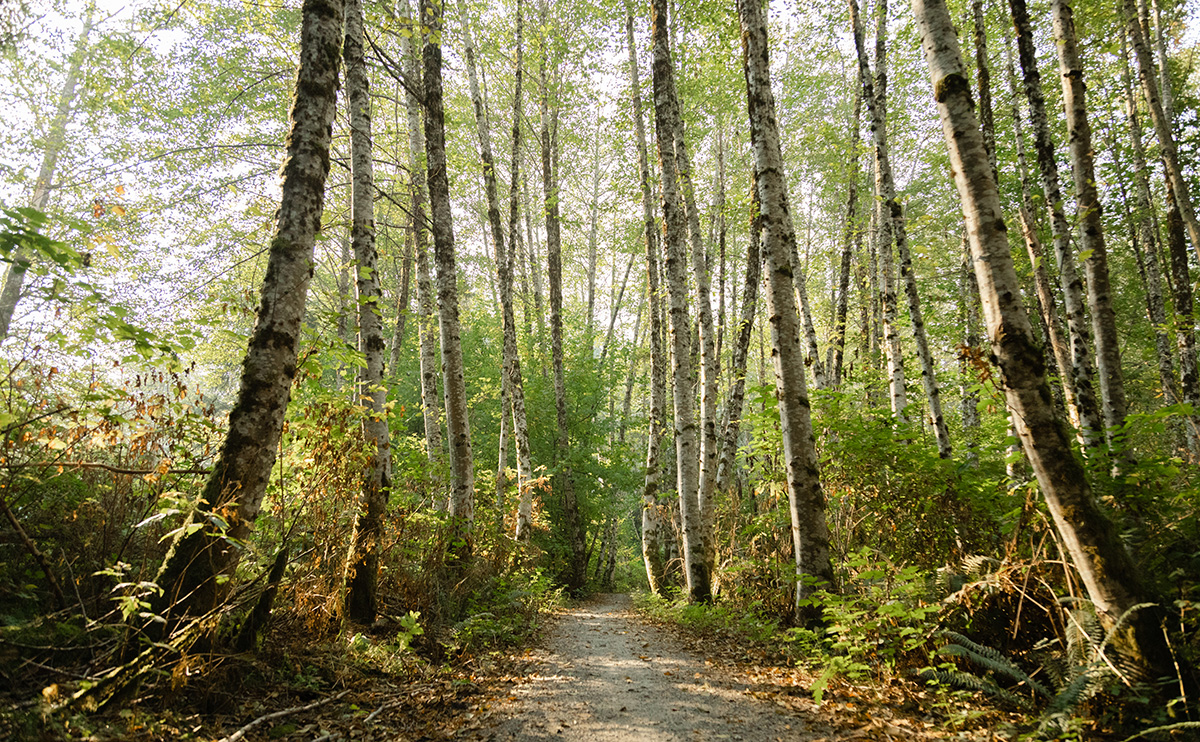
[[604, 675]]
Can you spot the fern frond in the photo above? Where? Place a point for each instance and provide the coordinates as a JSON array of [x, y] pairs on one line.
[[1086, 684], [990, 659], [967, 681], [1167, 728]]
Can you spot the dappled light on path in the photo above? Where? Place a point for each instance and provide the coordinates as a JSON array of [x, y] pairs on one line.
[[606, 676]]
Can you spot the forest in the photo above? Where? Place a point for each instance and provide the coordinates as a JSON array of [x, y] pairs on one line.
[[348, 348]]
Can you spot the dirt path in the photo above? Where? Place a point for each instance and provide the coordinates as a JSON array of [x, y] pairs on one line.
[[605, 676]]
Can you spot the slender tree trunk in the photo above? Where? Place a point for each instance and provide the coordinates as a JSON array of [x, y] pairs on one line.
[[1185, 323], [512, 385], [593, 234], [883, 222], [431, 405], [516, 379], [971, 357], [458, 428], [1107, 571], [1148, 242], [191, 572], [1162, 123], [687, 438], [732, 421], [612, 317], [812, 356], [362, 573], [1047, 304], [1091, 230], [565, 479], [1091, 426], [56, 138], [402, 308], [652, 522], [810, 534], [837, 348]]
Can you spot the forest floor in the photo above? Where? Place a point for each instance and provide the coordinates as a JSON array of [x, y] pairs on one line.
[[598, 671], [602, 673]]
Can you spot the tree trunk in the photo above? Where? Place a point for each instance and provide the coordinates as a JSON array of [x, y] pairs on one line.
[[513, 370], [884, 224], [1091, 426], [732, 421], [837, 348], [191, 573], [431, 404], [512, 383], [1162, 124], [812, 356], [458, 429], [362, 570], [1091, 230], [1185, 325], [402, 308], [56, 138], [1107, 571], [652, 522], [810, 535], [969, 353], [564, 481], [687, 443]]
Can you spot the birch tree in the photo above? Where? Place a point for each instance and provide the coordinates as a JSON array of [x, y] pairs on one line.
[[362, 572], [1108, 573], [235, 488], [458, 429], [687, 437], [806, 500]]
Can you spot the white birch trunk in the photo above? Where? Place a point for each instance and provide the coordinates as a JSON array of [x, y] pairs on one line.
[[810, 534]]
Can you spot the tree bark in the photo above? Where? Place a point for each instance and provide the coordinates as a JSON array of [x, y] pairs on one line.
[[1091, 426], [19, 259], [837, 348], [897, 394], [687, 443], [458, 428], [234, 491], [564, 480], [1162, 124], [1105, 567], [810, 534], [1091, 230], [1185, 326], [652, 522], [362, 569], [431, 404], [732, 421]]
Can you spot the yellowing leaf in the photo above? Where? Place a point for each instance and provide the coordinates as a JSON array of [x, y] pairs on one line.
[[120, 191], [113, 250], [118, 209]]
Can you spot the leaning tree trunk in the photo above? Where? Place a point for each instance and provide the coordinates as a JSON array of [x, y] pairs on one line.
[[883, 229], [1185, 326], [565, 479], [1162, 123], [362, 572], [1091, 230], [18, 260], [652, 521], [458, 429], [192, 575], [431, 404], [1104, 565], [687, 454], [810, 534], [1091, 426]]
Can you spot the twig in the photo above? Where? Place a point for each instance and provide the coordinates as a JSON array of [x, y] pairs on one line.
[[279, 714]]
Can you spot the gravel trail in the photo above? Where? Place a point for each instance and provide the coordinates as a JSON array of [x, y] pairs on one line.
[[606, 676]]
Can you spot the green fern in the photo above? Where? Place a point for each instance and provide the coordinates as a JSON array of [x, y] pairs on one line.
[[967, 681], [990, 659]]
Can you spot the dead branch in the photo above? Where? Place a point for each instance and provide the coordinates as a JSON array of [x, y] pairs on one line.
[[279, 714]]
